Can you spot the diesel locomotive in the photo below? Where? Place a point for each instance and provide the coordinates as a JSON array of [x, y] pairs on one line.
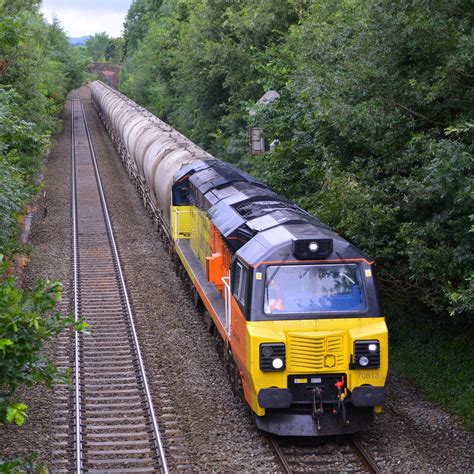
[[294, 305]]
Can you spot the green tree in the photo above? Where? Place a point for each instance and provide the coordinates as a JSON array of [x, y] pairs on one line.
[[101, 48], [37, 68], [196, 63], [61, 51], [114, 50], [96, 47], [137, 21]]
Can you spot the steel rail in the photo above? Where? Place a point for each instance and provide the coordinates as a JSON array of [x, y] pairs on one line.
[[77, 368], [281, 457], [364, 456], [156, 432]]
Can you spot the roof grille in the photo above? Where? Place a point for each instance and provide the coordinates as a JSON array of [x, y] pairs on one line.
[[251, 210]]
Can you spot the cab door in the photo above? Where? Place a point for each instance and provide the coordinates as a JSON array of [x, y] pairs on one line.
[[240, 303]]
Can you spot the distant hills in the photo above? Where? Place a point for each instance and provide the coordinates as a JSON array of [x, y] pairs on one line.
[[78, 41]]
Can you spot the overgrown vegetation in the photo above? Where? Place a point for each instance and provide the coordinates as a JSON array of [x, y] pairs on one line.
[[24, 464], [438, 358], [37, 69], [375, 124]]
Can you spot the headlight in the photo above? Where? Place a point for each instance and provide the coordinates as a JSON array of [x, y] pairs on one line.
[[366, 355], [272, 356], [277, 363]]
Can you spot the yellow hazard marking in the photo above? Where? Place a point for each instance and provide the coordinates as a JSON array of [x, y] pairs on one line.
[[368, 273], [258, 276]]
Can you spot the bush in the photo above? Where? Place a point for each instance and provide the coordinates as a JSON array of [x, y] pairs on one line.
[[12, 195], [27, 322]]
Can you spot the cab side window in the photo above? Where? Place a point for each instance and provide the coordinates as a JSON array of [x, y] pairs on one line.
[[192, 194], [181, 194], [236, 281], [240, 284]]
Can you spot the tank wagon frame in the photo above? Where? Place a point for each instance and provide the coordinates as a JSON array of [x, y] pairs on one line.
[[293, 306]]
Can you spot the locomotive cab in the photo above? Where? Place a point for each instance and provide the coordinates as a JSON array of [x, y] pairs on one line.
[[307, 332]]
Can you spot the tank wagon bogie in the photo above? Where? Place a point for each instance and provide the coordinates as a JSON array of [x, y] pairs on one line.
[[294, 306]]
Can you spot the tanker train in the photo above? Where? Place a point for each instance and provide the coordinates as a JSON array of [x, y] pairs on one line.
[[294, 305]]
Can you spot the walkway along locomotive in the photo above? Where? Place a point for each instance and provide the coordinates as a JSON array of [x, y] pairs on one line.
[[295, 305]]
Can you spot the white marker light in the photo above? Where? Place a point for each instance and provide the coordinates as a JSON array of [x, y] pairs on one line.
[[313, 247], [372, 347], [278, 363], [364, 361]]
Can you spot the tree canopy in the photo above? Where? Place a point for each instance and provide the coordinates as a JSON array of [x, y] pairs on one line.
[[101, 48]]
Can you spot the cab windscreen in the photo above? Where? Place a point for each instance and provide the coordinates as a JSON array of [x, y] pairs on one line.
[[313, 288]]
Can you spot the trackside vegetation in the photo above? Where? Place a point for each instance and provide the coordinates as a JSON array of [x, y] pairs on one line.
[[27, 321], [37, 68], [375, 126]]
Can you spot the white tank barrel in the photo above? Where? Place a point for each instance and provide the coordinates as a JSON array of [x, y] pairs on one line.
[[156, 150]]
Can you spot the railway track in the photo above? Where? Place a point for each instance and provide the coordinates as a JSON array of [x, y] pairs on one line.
[[321, 455], [114, 427]]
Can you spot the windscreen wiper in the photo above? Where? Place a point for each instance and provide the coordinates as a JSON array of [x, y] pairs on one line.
[[268, 280]]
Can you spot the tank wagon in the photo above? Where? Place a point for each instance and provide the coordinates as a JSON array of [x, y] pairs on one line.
[[294, 305]]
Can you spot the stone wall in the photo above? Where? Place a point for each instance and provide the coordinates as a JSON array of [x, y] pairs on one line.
[[108, 73]]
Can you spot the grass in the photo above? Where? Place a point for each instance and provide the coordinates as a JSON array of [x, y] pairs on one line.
[[438, 356]]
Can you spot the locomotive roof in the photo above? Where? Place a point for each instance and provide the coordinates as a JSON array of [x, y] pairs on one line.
[[210, 174], [254, 220], [276, 244]]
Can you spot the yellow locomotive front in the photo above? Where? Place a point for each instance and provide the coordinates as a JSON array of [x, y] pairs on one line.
[[310, 341]]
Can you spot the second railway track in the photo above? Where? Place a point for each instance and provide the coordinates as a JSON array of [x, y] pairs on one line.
[[114, 427]]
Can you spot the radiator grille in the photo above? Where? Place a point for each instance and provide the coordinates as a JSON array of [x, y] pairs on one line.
[[308, 353]]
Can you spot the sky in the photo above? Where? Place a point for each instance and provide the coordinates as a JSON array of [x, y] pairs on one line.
[[87, 17]]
